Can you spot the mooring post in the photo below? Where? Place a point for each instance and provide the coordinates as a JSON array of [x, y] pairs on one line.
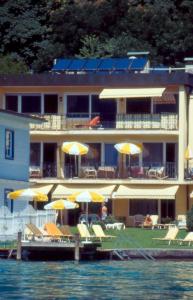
[[77, 248], [19, 235]]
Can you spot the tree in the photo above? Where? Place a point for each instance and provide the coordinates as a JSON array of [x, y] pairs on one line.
[[8, 65]]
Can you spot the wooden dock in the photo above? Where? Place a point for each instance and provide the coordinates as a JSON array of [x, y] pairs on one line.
[[63, 250]]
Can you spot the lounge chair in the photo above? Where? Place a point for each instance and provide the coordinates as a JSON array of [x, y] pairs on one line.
[[85, 234], [181, 221], [188, 239], [157, 172], [98, 231], [65, 229], [170, 235], [32, 232], [53, 231], [153, 224]]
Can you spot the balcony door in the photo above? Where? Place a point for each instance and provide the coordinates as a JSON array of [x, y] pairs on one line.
[[107, 110], [49, 160]]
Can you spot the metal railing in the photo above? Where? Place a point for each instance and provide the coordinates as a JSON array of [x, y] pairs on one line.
[[162, 121], [93, 169]]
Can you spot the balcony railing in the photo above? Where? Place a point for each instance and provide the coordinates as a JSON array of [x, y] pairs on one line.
[[163, 121], [97, 171]]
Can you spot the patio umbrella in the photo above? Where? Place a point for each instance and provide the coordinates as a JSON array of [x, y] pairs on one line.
[[129, 149], [188, 156], [75, 148], [61, 205], [86, 197], [188, 153], [28, 195]]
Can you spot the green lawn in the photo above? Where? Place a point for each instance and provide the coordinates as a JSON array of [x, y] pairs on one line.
[[139, 237]]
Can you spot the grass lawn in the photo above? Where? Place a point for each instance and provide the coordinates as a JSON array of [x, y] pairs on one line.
[[139, 237]]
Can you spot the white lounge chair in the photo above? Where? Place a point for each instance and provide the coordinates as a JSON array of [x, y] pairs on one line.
[[170, 235]]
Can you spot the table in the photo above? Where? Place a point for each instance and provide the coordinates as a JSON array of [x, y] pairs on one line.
[[117, 226]]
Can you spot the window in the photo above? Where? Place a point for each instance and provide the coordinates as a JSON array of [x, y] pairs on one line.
[[9, 144], [11, 102], [8, 202], [152, 154], [111, 155], [35, 154], [78, 106], [143, 207], [31, 104], [93, 157], [50, 104], [138, 106]]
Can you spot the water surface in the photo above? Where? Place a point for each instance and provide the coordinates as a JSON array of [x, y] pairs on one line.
[[135, 279]]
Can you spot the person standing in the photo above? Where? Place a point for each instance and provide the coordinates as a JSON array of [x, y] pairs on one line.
[[104, 212]]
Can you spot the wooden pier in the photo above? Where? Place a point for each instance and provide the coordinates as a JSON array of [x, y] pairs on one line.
[[64, 250]]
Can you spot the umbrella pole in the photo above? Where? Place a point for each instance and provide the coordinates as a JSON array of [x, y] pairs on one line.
[[87, 212], [61, 220]]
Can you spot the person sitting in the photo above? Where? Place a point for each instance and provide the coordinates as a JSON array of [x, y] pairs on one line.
[[147, 222], [95, 122]]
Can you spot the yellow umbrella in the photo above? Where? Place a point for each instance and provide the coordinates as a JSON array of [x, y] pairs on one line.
[[28, 195], [188, 153], [75, 148], [61, 205], [129, 149], [86, 197]]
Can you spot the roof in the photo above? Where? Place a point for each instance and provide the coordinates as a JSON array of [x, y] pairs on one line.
[[21, 115], [100, 64], [98, 80]]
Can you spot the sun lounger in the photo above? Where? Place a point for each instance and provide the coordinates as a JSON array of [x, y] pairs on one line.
[[53, 231], [170, 235], [32, 232], [85, 234], [98, 231], [65, 229], [188, 239]]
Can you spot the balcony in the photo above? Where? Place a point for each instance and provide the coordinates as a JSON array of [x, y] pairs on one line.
[[98, 171], [162, 121]]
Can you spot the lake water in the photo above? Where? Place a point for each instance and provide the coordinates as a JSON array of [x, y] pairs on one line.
[[135, 279]]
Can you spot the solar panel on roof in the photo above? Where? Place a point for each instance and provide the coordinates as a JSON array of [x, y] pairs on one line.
[[100, 64], [92, 64], [138, 63], [77, 65], [61, 64], [106, 64], [121, 63]]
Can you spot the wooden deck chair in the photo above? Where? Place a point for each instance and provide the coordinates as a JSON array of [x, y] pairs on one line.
[[32, 232], [170, 235], [65, 229], [188, 239], [98, 231], [84, 233], [53, 231]]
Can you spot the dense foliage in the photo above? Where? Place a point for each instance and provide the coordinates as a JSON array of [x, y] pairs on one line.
[[36, 32], [190, 219]]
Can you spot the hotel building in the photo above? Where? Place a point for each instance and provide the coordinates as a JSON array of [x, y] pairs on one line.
[[135, 106]]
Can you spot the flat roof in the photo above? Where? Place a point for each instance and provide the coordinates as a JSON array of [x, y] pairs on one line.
[[21, 115], [156, 79]]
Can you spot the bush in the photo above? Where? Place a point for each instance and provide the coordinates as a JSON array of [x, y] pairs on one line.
[[110, 220], [190, 219]]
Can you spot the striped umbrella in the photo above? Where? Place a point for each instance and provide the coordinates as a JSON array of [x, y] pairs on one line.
[[86, 197], [61, 205], [28, 195], [75, 148], [188, 153], [129, 149]]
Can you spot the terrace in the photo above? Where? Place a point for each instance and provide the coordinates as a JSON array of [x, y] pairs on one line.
[[140, 121]]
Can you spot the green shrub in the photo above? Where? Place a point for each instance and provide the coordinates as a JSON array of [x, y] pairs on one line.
[[190, 219], [110, 220]]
